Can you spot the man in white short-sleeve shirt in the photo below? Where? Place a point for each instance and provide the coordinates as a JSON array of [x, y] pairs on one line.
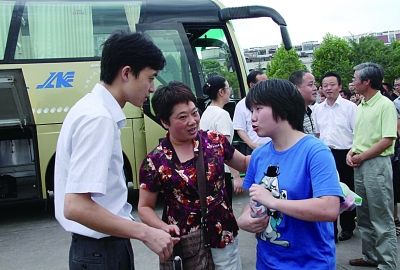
[[90, 191], [334, 121], [242, 116]]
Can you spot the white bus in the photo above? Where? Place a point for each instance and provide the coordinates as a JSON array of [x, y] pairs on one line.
[[49, 59]]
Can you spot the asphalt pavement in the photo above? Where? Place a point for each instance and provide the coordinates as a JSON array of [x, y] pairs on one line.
[[31, 238]]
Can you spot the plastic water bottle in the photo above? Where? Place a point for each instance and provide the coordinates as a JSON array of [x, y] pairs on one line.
[[257, 209]]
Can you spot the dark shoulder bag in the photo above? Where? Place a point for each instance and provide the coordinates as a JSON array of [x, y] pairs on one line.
[[193, 251]]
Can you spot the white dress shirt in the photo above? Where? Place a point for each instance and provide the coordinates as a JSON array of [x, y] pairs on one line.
[[335, 124], [89, 158], [242, 121]]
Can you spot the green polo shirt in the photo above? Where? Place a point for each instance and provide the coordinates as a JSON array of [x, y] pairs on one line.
[[375, 119]]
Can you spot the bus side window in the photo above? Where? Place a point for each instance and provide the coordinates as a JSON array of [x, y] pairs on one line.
[[71, 30], [6, 9], [177, 65], [216, 58]]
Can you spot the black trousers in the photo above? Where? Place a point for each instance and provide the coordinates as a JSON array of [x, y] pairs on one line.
[[346, 175], [100, 254], [229, 187]]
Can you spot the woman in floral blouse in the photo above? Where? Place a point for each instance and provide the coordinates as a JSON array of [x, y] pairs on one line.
[[171, 169]]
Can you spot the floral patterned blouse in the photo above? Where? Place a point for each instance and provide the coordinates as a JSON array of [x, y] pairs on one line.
[[162, 171]]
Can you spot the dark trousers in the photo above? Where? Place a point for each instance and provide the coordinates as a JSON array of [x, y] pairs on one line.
[[100, 254], [346, 175], [229, 187]]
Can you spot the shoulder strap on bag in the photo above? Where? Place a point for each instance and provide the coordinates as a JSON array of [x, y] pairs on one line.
[[201, 182]]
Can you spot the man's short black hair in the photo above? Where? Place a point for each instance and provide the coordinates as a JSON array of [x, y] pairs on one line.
[[296, 77], [252, 77], [332, 74], [346, 92], [124, 48]]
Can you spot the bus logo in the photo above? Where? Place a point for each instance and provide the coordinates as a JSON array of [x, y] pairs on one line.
[[60, 79]]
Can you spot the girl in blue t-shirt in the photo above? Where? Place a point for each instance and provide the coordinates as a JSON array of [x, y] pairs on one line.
[[294, 176]]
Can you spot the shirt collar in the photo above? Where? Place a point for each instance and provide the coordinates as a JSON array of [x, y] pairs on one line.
[[372, 101], [111, 104], [338, 101], [308, 111]]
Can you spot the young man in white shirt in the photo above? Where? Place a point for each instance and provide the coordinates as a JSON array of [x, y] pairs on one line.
[[334, 121], [242, 117], [90, 190]]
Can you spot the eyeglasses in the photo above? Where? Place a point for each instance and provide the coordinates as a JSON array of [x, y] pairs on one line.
[[228, 88], [397, 85]]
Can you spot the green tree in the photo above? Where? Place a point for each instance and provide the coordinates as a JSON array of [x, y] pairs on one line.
[[210, 68], [284, 63], [213, 67], [333, 55], [369, 49], [392, 69]]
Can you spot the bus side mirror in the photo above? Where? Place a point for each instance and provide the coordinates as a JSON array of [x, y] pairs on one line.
[[233, 13]]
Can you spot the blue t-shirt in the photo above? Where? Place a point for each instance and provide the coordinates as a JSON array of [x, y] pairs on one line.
[[306, 170]]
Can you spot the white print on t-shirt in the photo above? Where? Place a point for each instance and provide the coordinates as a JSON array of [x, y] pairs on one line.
[[270, 181]]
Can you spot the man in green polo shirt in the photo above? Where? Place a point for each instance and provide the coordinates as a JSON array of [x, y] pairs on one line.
[[374, 135]]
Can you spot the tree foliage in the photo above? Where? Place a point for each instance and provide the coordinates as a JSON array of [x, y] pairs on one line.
[[210, 68], [284, 63], [392, 69], [213, 67], [337, 55], [333, 55], [369, 49]]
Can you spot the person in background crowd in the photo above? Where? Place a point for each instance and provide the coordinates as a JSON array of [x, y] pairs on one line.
[[345, 94], [386, 93], [90, 190], [396, 86], [373, 143], [242, 117], [216, 118], [396, 169], [171, 169], [353, 97], [295, 178], [352, 88], [304, 81], [359, 98], [334, 124], [322, 99]]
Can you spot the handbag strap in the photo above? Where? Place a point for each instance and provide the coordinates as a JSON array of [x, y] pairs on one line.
[[201, 182]]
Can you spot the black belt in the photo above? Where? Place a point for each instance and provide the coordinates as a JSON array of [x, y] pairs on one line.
[[107, 239], [333, 149]]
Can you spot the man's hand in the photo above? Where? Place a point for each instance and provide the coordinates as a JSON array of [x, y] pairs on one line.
[[160, 242], [351, 161], [237, 185], [253, 145]]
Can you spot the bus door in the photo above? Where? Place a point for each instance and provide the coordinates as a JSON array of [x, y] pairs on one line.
[[19, 169], [193, 52], [173, 42]]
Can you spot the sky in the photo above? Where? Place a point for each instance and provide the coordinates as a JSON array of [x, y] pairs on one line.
[[311, 20]]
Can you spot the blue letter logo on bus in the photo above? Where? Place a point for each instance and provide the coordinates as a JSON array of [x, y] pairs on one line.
[[59, 78]]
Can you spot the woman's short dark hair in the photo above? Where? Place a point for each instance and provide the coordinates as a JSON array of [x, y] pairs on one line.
[[213, 84], [167, 96], [284, 99], [124, 48]]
